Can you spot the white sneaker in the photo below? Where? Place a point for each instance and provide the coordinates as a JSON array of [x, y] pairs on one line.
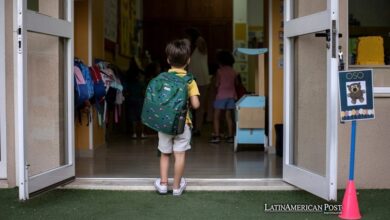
[[162, 189], [134, 135], [183, 184]]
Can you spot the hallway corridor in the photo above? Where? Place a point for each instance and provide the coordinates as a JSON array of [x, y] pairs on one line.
[[125, 157]]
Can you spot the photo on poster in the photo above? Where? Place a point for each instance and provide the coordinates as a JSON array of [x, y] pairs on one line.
[[356, 93]]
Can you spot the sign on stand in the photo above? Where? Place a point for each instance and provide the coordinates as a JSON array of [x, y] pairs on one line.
[[356, 103], [356, 95]]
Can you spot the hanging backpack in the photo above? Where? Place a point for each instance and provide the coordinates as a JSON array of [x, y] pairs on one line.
[[87, 77], [107, 75], [166, 103], [80, 87], [99, 88]]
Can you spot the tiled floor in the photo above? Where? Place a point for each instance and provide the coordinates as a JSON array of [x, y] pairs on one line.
[[128, 158]]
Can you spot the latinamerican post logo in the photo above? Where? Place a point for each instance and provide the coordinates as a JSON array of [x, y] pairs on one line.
[[309, 208]]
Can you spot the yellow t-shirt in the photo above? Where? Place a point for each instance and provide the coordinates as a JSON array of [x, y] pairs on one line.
[[192, 88]]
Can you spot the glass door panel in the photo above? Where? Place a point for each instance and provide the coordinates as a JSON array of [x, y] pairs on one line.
[[308, 7], [52, 8], [45, 103], [310, 100]]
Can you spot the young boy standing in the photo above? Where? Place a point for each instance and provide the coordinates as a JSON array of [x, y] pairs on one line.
[[178, 56]]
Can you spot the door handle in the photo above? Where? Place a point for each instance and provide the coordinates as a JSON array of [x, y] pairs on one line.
[[326, 34], [322, 34], [330, 36]]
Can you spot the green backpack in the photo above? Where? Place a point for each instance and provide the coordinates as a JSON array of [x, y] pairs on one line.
[[166, 103]]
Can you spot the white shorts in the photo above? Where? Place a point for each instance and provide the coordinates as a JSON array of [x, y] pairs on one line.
[[175, 143]]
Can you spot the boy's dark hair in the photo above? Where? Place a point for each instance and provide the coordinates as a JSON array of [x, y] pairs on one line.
[[225, 58], [178, 52]]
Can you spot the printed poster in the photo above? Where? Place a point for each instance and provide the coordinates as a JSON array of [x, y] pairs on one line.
[[125, 28], [110, 20], [356, 95]]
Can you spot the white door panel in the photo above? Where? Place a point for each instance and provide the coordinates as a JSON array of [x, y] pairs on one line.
[[3, 153], [300, 25], [44, 103], [310, 115]]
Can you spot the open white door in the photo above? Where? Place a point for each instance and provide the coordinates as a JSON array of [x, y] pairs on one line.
[[44, 95], [311, 96], [3, 156]]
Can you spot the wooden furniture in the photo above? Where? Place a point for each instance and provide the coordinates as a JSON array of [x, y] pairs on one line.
[[166, 20], [250, 121]]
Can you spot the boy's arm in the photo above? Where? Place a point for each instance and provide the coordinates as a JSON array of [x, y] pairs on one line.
[[193, 93], [194, 100]]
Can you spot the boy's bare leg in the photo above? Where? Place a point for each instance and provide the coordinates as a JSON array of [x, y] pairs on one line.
[[179, 168], [229, 121], [164, 167]]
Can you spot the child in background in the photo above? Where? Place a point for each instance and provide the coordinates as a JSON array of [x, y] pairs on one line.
[[199, 68], [226, 95], [178, 56], [151, 71], [135, 98], [212, 92]]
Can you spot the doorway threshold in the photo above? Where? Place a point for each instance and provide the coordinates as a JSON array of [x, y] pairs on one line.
[[194, 184]]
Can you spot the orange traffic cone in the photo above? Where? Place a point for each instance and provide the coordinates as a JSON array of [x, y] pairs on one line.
[[350, 209]]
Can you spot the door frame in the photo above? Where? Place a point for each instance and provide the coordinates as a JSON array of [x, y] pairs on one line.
[[323, 186], [3, 134], [272, 147], [63, 28]]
